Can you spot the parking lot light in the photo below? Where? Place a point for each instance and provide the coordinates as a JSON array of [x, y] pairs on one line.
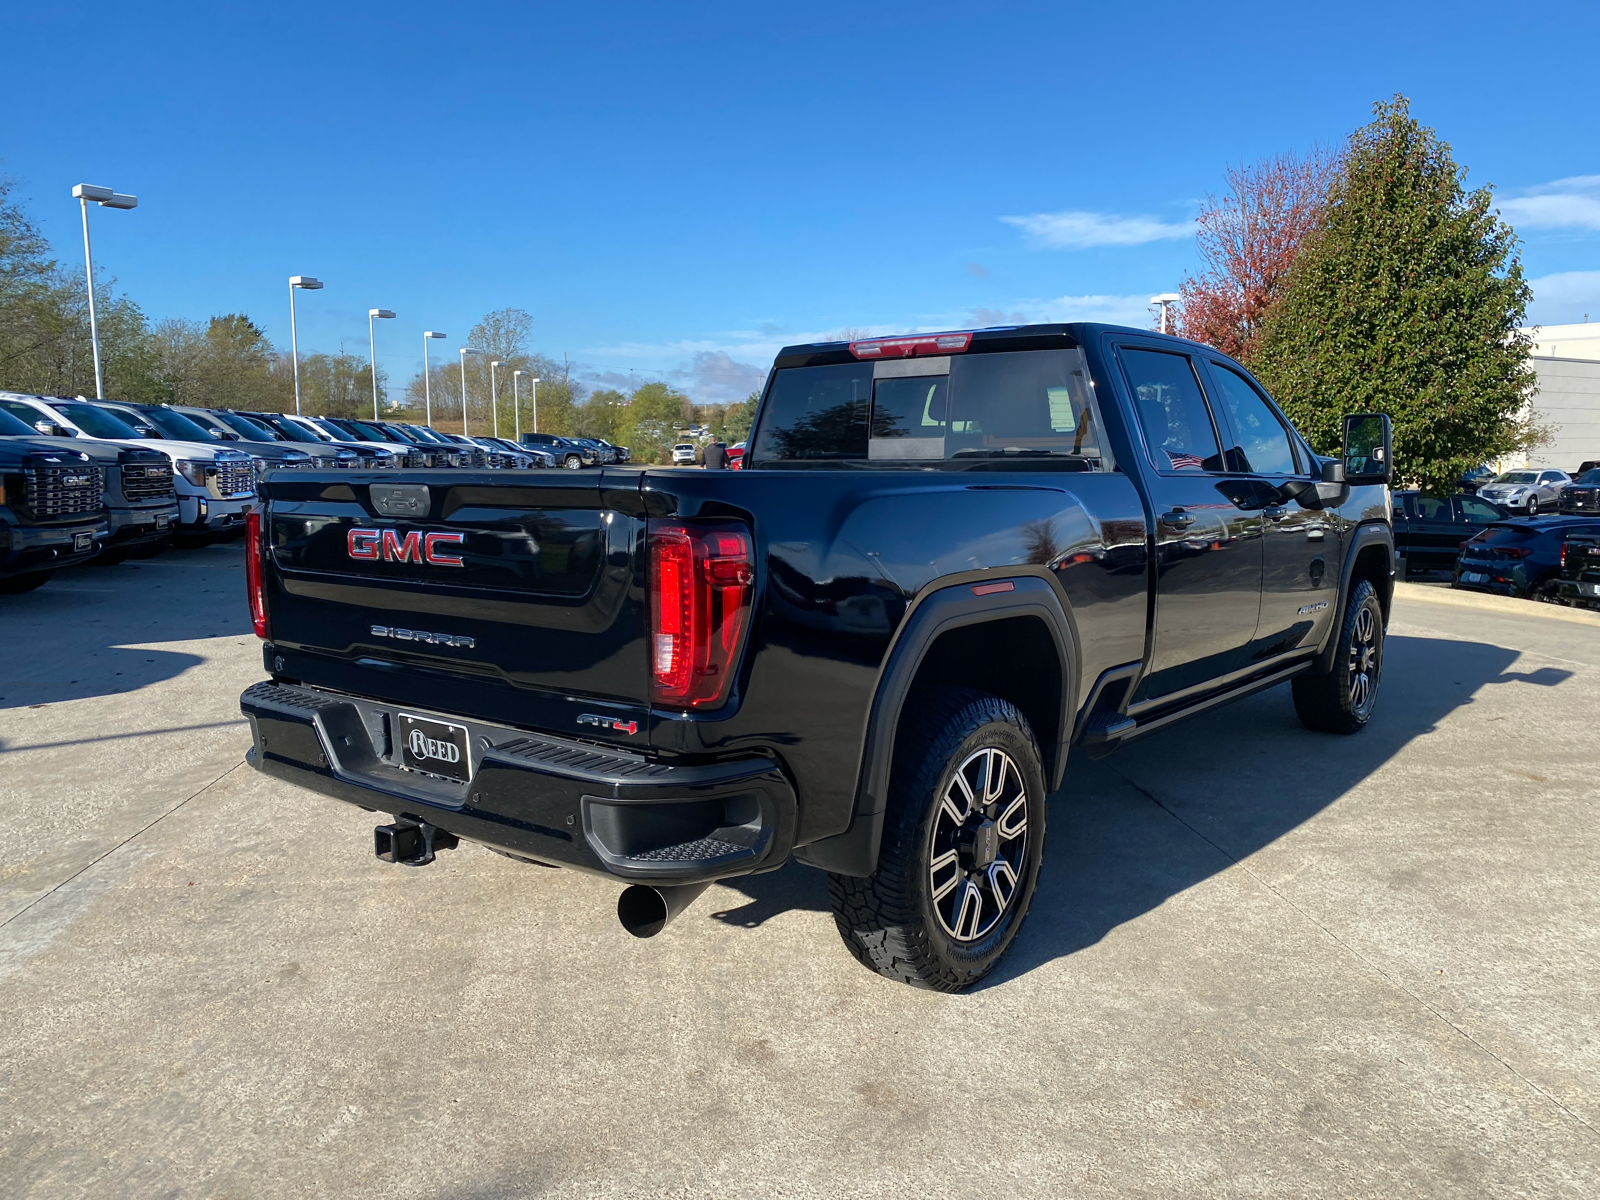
[[310, 284], [516, 406], [372, 346], [494, 395], [83, 193], [427, 385], [465, 350], [1166, 300], [535, 383]]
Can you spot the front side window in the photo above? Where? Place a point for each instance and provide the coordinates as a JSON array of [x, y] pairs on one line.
[[1432, 508], [1172, 411], [1262, 437]]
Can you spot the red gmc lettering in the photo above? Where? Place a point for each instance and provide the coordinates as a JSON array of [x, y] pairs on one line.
[[362, 543], [434, 540], [395, 550]]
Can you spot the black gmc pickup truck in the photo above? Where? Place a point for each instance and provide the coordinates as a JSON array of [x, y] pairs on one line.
[[948, 561]]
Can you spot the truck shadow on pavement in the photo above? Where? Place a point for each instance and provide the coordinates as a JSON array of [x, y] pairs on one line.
[[1132, 830], [89, 631]]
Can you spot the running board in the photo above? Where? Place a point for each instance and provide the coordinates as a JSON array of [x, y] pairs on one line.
[[1144, 725]]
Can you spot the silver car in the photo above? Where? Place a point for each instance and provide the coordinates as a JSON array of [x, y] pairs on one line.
[[1533, 491]]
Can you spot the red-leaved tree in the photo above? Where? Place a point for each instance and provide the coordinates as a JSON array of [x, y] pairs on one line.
[[1248, 239]]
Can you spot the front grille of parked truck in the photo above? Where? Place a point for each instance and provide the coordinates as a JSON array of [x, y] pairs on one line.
[[63, 490], [146, 481], [234, 478]]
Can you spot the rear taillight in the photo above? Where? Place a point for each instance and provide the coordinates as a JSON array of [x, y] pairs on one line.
[[1563, 556], [253, 585], [701, 580], [1512, 551]]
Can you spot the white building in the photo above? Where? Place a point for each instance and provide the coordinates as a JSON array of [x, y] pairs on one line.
[[1566, 360]]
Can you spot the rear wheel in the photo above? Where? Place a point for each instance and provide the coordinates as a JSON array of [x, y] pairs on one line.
[[1546, 591], [18, 584], [962, 842], [1533, 506], [1342, 700]]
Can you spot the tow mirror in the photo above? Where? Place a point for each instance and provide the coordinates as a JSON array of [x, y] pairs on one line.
[[51, 429], [1368, 448]]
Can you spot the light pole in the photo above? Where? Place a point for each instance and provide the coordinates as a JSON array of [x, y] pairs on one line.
[[465, 350], [427, 385], [311, 285], [535, 405], [105, 198], [516, 406], [1166, 300], [372, 346], [494, 395]]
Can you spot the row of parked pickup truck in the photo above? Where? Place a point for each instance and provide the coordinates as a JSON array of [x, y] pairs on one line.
[[86, 478]]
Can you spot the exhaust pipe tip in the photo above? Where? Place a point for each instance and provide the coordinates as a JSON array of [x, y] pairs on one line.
[[645, 910]]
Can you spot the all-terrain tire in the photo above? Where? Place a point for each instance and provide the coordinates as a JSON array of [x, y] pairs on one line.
[[1342, 700], [898, 922]]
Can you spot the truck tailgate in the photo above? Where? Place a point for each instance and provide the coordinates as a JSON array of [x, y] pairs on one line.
[[511, 599]]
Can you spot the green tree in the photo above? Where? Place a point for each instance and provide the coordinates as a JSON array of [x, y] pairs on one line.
[[1406, 300], [736, 421]]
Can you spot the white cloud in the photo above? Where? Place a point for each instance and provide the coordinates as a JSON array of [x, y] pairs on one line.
[[1565, 204], [1564, 298], [1109, 309], [1079, 230]]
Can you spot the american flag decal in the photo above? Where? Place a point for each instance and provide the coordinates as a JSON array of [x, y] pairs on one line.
[[1180, 461]]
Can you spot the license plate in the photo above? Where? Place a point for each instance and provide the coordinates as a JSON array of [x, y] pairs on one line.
[[434, 747], [83, 541], [1474, 577], [163, 521], [1589, 589]]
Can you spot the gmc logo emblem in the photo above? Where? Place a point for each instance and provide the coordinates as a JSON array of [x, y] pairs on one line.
[[371, 545]]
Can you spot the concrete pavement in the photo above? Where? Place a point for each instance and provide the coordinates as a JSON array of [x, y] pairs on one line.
[[1262, 961]]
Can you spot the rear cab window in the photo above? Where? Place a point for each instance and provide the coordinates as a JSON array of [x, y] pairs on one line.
[[1025, 410]]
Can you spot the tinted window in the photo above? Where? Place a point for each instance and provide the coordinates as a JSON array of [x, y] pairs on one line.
[[175, 425], [815, 414], [1591, 476], [1262, 437], [251, 431], [97, 422], [1431, 508], [913, 408], [1501, 535], [11, 426], [1550, 477], [1036, 403], [1172, 411], [1477, 512]]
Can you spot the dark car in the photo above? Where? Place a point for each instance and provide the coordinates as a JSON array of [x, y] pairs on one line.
[[569, 452], [948, 561], [1520, 556], [1582, 495], [1580, 571], [52, 510], [1429, 530]]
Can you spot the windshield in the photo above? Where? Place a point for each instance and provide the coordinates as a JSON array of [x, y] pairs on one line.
[[175, 425], [248, 430], [1590, 476], [97, 422], [11, 427], [366, 432], [296, 433], [1518, 477]]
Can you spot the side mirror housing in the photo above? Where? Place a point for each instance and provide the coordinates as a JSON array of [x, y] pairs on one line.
[[1368, 448]]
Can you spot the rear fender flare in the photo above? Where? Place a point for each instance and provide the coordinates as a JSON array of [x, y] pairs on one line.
[[950, 606]]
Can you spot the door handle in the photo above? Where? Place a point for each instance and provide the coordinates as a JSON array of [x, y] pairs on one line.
[[1177, 519]]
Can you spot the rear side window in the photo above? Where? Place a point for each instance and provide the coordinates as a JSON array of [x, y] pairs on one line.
[[1432, 508], [815, 414], [1266, 444], [1172, 410]]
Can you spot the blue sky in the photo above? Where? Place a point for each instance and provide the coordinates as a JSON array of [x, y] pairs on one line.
[[674, 191]]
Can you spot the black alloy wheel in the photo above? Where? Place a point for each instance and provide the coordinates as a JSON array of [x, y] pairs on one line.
[[1342, 700], [963, 839]]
